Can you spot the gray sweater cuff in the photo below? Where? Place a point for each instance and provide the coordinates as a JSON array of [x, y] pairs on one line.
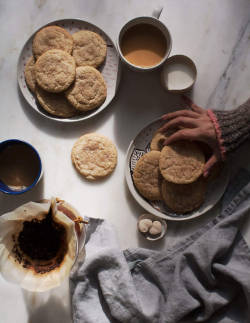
[[232, 127]]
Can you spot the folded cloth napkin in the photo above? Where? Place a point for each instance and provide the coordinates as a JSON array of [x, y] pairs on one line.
[[204, 278]]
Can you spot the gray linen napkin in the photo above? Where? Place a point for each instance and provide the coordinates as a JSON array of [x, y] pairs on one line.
[[204, 278]]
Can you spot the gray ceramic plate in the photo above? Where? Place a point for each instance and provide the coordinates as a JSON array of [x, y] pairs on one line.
[[109, 69], [137, 148]]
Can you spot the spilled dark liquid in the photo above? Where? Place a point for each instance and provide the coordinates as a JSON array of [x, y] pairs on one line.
[[19, 166]]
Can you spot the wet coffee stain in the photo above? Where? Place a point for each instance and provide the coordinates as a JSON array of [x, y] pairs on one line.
[[41, 245]]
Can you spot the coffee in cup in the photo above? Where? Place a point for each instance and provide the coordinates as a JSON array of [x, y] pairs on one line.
[[144, 43], [20, 166]]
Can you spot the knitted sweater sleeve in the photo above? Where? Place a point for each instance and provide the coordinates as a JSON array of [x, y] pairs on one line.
[[232, 127]]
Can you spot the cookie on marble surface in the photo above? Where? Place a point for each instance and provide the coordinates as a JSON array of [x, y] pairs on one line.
[[89, 90], [29, 73], [55, 103], [55, 70], [147, 176], [52, 37], [94, 156], [181, 162], [89, 48], [183, 198]]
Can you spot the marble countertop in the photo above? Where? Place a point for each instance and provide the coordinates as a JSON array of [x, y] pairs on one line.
[[215, 34]]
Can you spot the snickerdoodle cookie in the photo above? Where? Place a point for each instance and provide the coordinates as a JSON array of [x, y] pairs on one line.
[[29, 74], [89, 48], [181, 162], [183, 198], [157, 141], [55, 70], [89, 89], [94, 156], [52, 37], [146, 176], [55, 103]]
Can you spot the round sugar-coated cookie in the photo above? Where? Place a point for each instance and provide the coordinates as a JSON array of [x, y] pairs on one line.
[[157, 141], [94, 156], [29, 73], [55, 70], [147, 176], [181, 162], [55, 103], [89, 89], [183, 198], [52, 37], [159, 138], [89, 48]]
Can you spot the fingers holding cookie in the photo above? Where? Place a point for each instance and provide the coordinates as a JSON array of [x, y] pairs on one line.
[[172, 174], [159, 139]]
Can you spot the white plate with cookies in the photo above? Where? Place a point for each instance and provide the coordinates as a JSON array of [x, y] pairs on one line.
[[171, 201], [65, 103]]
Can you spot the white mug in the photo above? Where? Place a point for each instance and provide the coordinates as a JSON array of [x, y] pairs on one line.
[[150, 21]]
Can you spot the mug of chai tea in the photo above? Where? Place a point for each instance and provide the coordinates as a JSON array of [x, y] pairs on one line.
[[144, 43], [20, 166]]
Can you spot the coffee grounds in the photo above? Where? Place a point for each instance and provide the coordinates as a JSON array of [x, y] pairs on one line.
[[41, 239]]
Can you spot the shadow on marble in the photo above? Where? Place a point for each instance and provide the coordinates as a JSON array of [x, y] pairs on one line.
[[55, 314], [61, 129], [136, 209], [11, 202], [50, 307], [140, 100]]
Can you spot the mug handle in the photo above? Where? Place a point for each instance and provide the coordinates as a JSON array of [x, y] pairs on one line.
[[157, 12]]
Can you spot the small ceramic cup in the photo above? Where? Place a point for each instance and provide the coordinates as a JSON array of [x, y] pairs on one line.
[[25, 163], [150, 21], [178, 74]]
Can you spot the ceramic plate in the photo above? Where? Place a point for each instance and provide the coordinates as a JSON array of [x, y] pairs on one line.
[[137, 148], [109, 69]]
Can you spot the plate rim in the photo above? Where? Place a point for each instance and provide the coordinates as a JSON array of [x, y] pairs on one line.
[[144, 204], [69, 120]]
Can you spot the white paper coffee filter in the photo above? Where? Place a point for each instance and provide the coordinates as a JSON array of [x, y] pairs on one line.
[[11, 224]]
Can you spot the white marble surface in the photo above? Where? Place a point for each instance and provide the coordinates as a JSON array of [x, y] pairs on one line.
[[215, 34]]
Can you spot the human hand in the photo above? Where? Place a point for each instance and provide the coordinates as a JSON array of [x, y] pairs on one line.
[[194, 124]]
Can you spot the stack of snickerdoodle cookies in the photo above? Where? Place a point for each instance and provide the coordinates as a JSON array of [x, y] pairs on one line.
[[172, 173], [62, 71]]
